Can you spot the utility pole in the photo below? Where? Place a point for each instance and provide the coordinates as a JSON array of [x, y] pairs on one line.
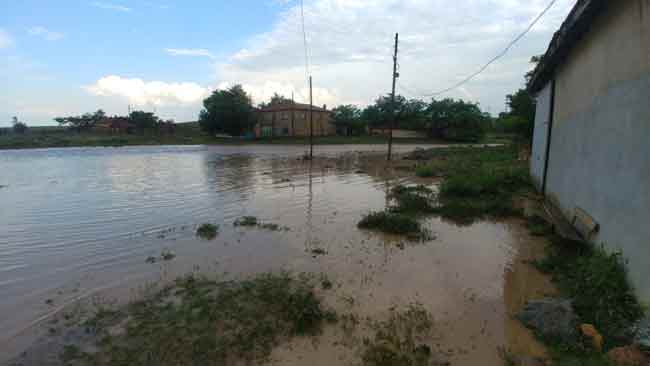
[[392, 100], [311, 122], [293, 112]]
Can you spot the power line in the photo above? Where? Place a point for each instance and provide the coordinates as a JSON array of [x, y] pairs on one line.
[[496, 58]]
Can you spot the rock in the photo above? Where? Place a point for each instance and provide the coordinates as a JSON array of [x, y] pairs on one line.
[[642, 337], [551, 318], [590, 332], [627, 356]]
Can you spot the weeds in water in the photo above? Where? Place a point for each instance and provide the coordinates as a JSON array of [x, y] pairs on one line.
[[418, 199], [480, 182], [487, 192], [204, 322], [598, 284], [207, 231], [246, 221], [318, 251], [167, 255], [392, 223], [252, 221], [400, 340]]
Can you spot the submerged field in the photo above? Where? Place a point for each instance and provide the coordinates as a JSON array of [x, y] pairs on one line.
[[252, 255]]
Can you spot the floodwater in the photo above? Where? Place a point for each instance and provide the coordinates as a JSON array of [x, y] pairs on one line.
[[80, 223]]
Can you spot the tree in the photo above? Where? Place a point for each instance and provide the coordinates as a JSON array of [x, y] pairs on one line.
[[522, 104], [229, 111], [409, 114], [143, 120], [84, 122], [457, 120], [276, 99], [19, 127], [347, 119]]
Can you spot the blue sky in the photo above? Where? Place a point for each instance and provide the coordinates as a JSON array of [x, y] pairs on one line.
[[68, 57]]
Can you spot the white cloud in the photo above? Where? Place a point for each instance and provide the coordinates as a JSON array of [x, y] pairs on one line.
[[5, 39], [350, 43], [45, 33], [198, 52], [111, 6], [155, 93]]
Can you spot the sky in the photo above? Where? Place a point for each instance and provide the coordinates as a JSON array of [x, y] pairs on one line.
[[65, 57]]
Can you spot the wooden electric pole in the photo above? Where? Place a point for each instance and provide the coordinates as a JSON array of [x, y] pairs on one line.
[[392, 101], [311, 122]]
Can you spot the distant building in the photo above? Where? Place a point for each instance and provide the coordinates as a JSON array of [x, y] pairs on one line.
[[591, 146], [292, 119]]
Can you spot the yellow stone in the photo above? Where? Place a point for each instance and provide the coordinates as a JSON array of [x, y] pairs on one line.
[[590, 331]]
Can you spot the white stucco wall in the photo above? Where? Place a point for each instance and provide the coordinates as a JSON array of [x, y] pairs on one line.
[[600, 145], [540, 135]]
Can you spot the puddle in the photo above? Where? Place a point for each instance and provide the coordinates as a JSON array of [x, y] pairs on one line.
[[132, 205]]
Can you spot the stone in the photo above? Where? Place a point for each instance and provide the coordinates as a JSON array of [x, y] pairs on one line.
[[642, 337], [590, 332], [553, 318], [627, 356]]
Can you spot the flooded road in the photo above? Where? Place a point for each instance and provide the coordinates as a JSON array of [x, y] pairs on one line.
[[79, 223]]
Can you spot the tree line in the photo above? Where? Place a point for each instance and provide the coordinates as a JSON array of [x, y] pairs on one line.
[[136, 120], [231, 111]]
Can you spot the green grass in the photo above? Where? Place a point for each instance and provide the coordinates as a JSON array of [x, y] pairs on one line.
[[393, 223], [479, 182], [400, 340], [203, 322], [417, 199], [207, 231], [537, 226], [598, 284], [246, 221]]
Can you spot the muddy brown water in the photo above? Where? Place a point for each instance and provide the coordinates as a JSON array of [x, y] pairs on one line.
[[80, 223]]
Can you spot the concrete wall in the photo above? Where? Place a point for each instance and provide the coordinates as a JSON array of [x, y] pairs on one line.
[[540, 136], [600, 145]]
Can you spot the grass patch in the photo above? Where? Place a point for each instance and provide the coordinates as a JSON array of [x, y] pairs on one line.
[[246, 221], [167, 255], [400, 340], [207, 231], [598, 284], [480, 183], [203, 322], [537, 226], [252, 221], [418, 199], [393, 223]]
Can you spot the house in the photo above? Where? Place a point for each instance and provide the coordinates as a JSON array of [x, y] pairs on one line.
[[292, 119], [591, 145]]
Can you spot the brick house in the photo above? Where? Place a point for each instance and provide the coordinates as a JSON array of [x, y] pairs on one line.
[[292, 119]]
